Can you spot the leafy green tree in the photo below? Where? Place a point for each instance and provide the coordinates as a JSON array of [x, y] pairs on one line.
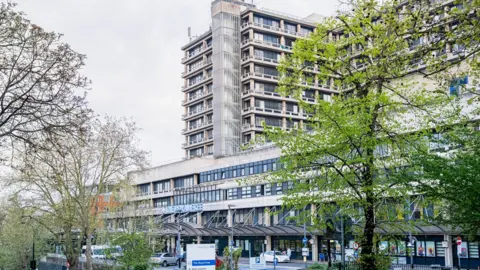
[[136, 251], [17, 234], [451, 178], [391, 64]]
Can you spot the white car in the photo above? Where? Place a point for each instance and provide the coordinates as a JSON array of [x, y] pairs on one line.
[[280, 257], [164, 259]]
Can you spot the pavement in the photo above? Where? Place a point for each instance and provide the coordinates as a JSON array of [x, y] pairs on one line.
[[244, 265]]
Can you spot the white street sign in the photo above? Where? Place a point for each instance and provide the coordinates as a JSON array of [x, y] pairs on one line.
[[201, 257], [258, 263], [305, 252]]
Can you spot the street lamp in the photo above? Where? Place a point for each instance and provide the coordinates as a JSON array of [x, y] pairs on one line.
[[179, 229], [410, 245], [231, 231]]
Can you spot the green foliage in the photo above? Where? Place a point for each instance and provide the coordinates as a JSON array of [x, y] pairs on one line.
[[317, 266], [17, 233], [236, 254], [136, 252], [391, 92], [454, 178]]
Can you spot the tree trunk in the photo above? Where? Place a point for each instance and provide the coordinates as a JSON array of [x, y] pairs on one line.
[[88, 252], [73, 261], [368, 258]]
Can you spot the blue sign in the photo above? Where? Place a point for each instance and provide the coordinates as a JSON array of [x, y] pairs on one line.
[[203, 263], [305, 240], [257, 260], [275, 262], [232, 243]]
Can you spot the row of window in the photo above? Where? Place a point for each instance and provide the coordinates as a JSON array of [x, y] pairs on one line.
[[199, 197], [275, 23], [240, 170], [233, 193], [183, 182]]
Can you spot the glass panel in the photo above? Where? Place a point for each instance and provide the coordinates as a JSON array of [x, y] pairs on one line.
[[420, 248], [463, 250], [430, 246]]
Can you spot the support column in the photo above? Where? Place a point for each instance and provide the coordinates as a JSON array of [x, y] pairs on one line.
[[229, 218], [199, 219], [199, 239], [195, 179], [315, 248], [173, 245], [448, 250], [269, 242], [267, 217]]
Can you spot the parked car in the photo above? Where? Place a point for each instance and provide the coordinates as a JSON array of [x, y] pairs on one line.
[[280, 257], [165, 259], [103, 252]]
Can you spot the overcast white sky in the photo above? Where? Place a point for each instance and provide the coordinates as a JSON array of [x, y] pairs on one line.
[[133, 50]]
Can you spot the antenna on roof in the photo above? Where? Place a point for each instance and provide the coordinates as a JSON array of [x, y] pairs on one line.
[[189, 33]]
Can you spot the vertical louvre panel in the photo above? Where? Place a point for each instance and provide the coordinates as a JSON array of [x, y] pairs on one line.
[[226, 83]]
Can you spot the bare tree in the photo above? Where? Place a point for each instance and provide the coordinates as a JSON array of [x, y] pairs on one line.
[[67, 174], [39, 80]]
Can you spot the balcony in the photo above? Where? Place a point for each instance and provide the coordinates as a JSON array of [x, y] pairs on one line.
[[197, 96], [260, 109], [273, 28], [308, 98], [267, 44], [204, 64], [260, 58], [193, 113], [259, 75], [197, 127], [196, 53], [197, 82], [193, 143], [261, 93]]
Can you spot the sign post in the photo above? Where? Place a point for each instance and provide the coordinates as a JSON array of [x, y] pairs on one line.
[[201, 256], [459, 250], [305, 241]]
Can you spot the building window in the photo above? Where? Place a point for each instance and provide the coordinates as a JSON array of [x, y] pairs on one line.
[[291, 28], [210, 149], [268, 189], [233, 194], [246, 192], [258, 191], [266, 21], [143, 189], [183, 182]]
